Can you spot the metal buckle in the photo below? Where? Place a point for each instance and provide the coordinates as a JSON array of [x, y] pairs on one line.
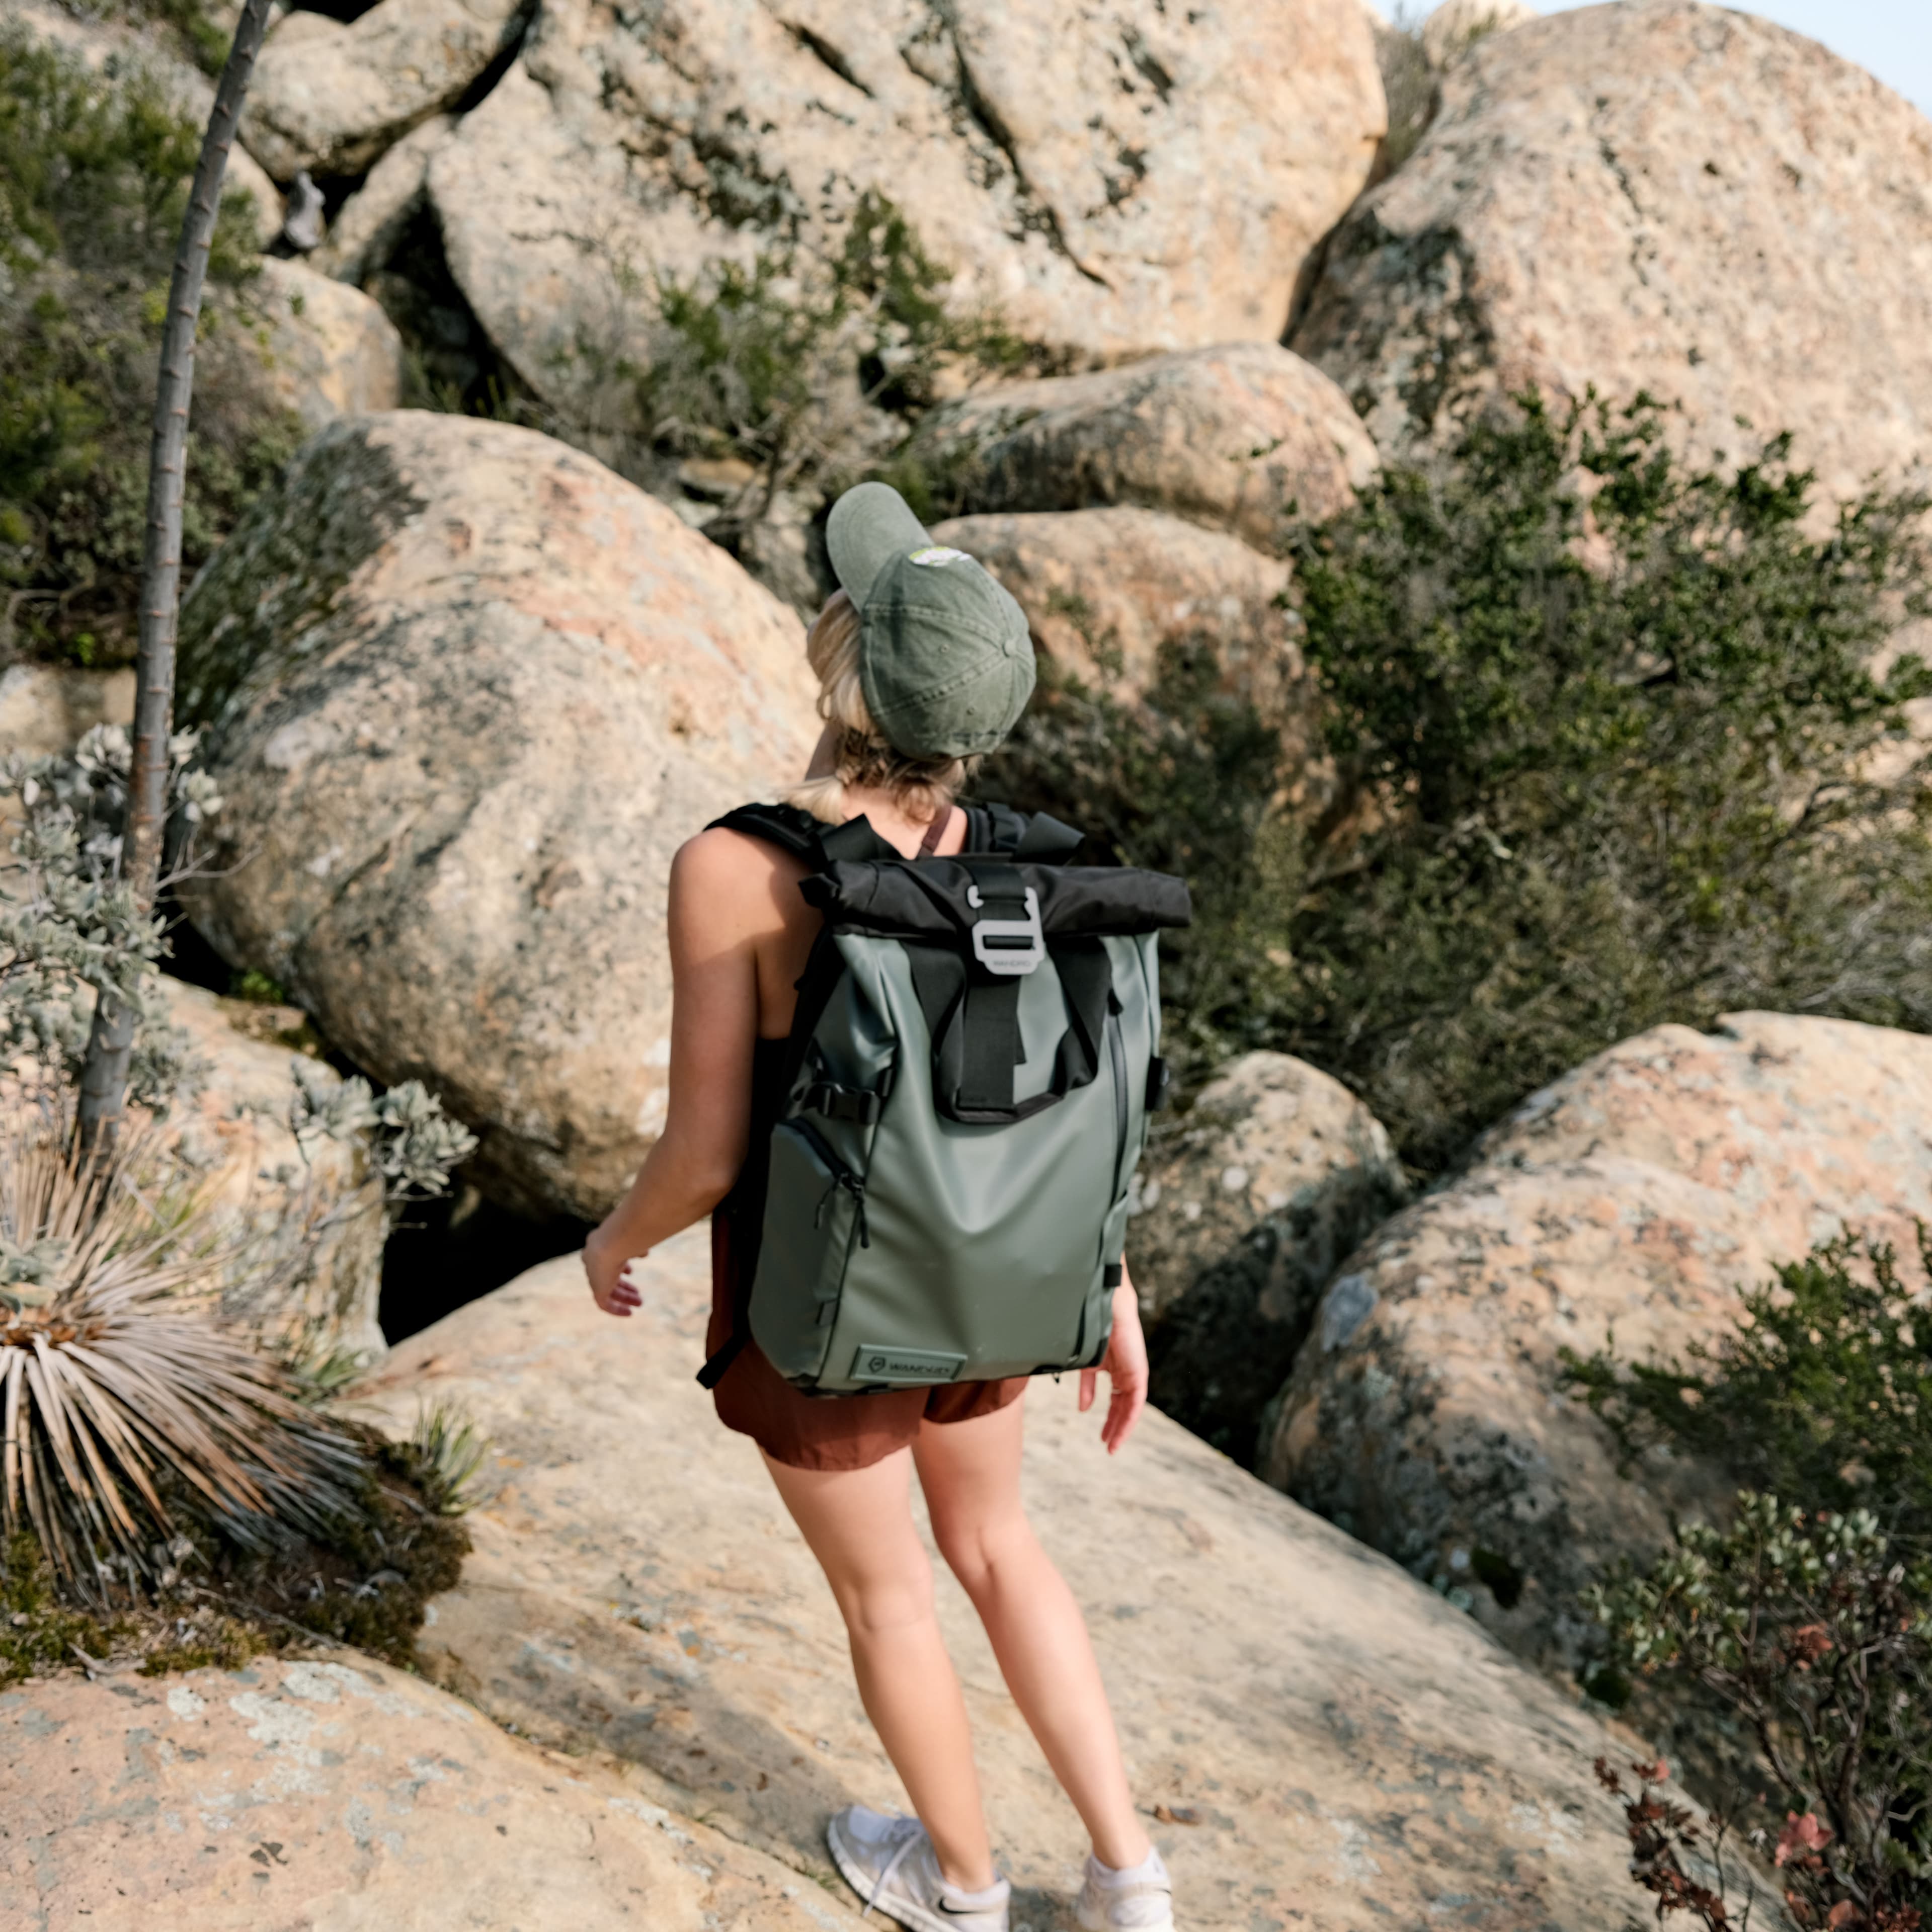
[[1009, 947]]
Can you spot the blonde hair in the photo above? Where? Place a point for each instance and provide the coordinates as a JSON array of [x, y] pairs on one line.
[[922, 787]]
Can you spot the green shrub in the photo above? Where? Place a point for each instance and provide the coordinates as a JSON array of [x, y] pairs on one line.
[[94, 170], [1408, 86], [1618, 718], [1822, 1391], [1602, 726], [1808, 1619], [787, 372], [1806, 1623], [1188, 783]]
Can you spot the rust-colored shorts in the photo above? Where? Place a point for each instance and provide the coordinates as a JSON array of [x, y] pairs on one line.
[[846, 1432]]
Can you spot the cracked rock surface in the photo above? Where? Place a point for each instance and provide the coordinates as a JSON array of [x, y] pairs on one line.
[[467, 691], [1354, 1753], [1117, 176], [1633, 1196], [1659, 195], [333, 1792]]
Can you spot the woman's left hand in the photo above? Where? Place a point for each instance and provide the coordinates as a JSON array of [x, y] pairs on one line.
[[1125, 1365]]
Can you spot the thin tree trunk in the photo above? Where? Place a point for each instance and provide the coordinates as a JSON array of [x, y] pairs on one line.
[[103, 1085]]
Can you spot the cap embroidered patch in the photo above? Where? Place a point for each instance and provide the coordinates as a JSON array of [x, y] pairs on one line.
[[934, 555]]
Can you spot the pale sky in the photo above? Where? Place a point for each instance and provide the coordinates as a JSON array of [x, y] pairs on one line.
[[1892, 38]]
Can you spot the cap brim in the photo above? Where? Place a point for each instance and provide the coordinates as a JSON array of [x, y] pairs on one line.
[[868, 526]]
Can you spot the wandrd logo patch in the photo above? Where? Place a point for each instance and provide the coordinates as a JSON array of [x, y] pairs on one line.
[[880, 1362]]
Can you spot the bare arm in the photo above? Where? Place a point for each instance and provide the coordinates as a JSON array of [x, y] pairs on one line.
[[723, 901]]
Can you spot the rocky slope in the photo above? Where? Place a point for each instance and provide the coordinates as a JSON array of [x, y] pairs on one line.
[[1631, 1197], [1657, 195], [1352, 1752], [332, 1791]]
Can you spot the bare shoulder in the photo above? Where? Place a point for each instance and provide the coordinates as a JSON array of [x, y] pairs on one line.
[[723, 877]]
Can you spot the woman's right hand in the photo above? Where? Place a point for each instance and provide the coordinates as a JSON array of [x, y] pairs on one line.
[[605, 1261]]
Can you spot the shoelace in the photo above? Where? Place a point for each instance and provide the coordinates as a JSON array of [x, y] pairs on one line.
[[910, 1833]]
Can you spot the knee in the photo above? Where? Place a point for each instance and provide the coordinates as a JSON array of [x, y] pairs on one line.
[[980, 1551], [877, 1602]]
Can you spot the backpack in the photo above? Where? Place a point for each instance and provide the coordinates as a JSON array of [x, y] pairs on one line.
[[966, 1086]]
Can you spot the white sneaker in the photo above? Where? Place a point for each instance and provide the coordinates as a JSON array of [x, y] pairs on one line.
[[889, 1861], [1139, 1900]]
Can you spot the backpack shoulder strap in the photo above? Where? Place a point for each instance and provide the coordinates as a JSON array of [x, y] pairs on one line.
[[1037, 835], [787, 827]]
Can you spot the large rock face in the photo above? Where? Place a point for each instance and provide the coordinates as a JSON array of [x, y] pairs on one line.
[[1236, 436], [310, 1210], [1654, 195], [330, 1791], [1246, 1207], [1116, 178], [1635, 1195], [1106, 592], [331, 96], [1356, 1755], [331, 351], [45, 709], [468, 692], [369, 225]]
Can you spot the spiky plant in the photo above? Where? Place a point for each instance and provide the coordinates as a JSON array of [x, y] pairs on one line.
[[446, 1450], [129, 1411]]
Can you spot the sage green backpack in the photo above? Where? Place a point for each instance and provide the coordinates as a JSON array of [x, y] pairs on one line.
[[963, 1099]]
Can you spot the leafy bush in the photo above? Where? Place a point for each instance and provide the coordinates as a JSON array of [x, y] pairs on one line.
[[94, 172], [1810, 1626], [1618, 719], [1408, 86], [1808, 1619], [786, 372], [70, 927], [1188, 783], [1683, 1866], [1607, 750], [1820, 1391]]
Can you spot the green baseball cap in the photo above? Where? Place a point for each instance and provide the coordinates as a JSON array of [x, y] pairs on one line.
[[945, 658]]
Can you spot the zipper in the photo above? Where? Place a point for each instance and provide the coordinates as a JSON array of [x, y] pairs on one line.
[[842, 1176], [1116, 1053]]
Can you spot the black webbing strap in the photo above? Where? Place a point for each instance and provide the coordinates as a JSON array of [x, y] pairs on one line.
[[990, 1046], [969, 1034]]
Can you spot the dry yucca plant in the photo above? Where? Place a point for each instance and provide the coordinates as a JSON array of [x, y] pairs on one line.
[[129, 1411]]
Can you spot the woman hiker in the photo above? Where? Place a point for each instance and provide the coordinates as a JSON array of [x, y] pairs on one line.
[[950, 686]]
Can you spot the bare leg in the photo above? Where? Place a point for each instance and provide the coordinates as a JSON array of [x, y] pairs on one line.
[[859, 1525], [971, 1473]]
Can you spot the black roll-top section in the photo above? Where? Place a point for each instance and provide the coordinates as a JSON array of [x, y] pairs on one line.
[[896, 899]]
